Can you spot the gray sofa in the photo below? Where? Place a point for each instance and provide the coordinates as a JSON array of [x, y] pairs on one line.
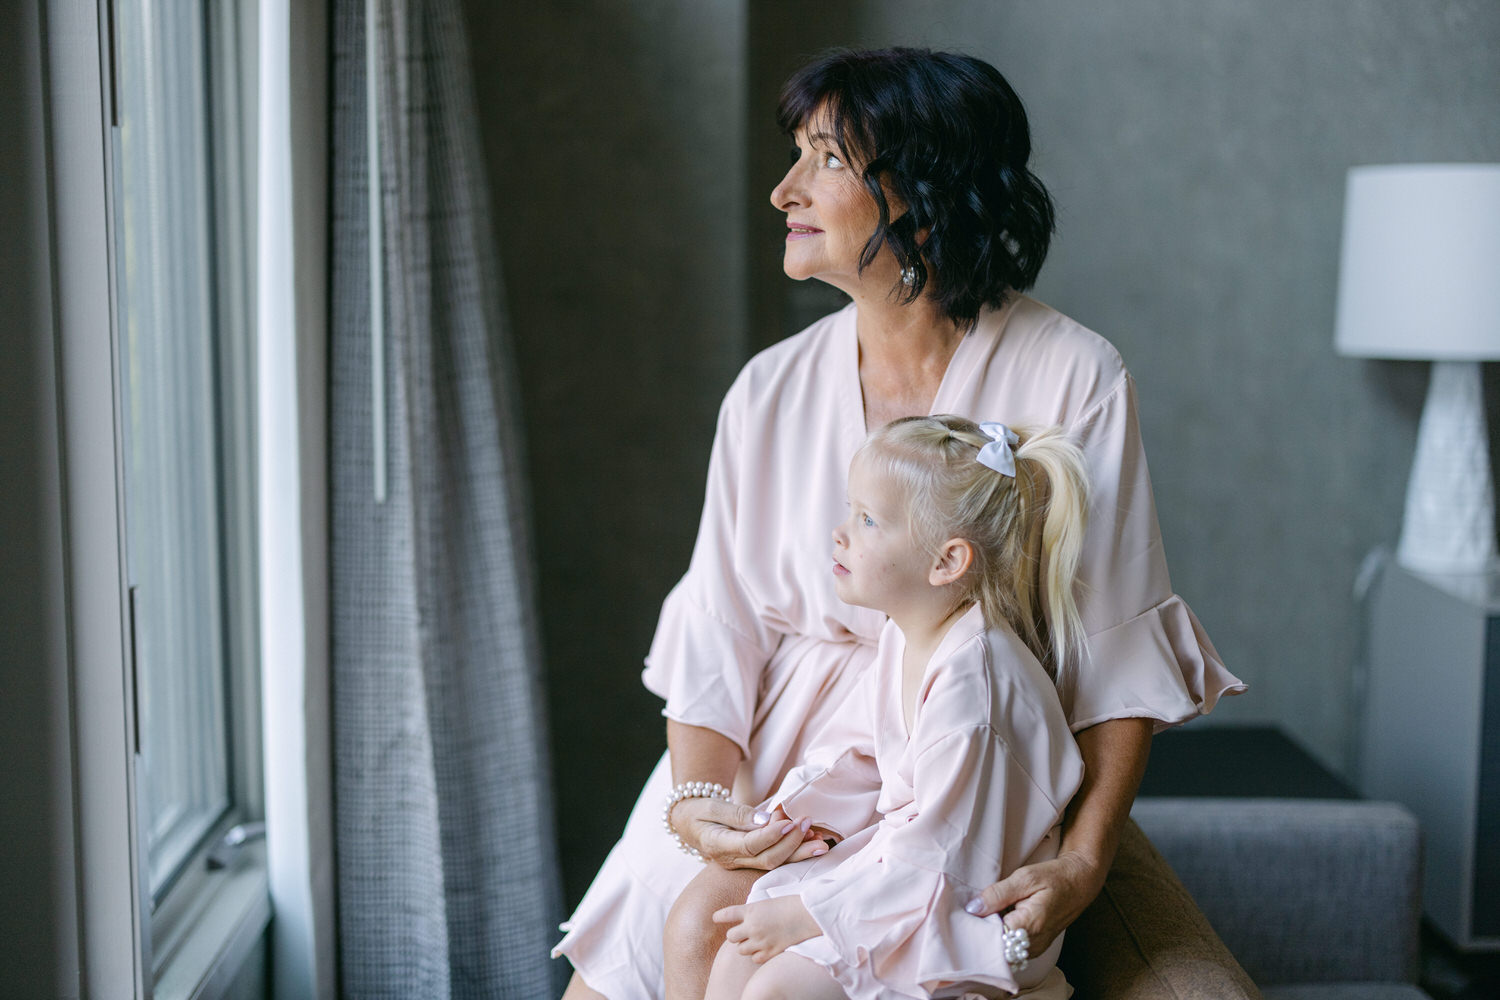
[[1290, 899]]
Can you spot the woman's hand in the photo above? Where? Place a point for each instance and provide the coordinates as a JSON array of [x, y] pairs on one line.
[[1050, 895], [766, 928], [736, 836], [1044, 898]]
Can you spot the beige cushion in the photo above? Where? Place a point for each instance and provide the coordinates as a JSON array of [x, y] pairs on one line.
[[1144, 937]]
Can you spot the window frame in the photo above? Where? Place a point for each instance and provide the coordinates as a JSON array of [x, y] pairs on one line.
[[204, 923], [219, 58], [111, 923], [198, 941]]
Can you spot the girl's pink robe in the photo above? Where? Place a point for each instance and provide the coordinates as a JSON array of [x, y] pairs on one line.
[[754, 644], [974, 790]]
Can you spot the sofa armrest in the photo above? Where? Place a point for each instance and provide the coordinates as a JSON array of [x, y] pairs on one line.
[[1145, 939], [1301, 890]]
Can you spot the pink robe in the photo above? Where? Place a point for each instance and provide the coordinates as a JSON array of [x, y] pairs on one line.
[[754, 644], [973, 791]]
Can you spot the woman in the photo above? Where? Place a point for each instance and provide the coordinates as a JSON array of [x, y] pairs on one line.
[[908, 191]]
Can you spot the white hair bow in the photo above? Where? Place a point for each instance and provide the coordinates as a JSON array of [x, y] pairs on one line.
[[999, 454]]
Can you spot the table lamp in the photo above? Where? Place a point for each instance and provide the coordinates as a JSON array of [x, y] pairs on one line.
[[1419, 279]]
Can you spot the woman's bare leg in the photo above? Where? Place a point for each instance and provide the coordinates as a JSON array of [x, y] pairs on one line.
[[579, 990], [692, 938]]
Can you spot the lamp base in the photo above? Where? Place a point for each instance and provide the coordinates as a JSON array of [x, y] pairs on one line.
[[1449, 526]]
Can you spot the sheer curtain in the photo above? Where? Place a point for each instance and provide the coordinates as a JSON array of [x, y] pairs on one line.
[[447, 877]]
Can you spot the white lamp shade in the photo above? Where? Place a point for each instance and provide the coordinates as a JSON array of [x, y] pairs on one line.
[[1420, 272]]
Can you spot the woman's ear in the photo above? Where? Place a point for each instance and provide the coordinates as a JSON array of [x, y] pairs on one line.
[[954, 558], [893, 201], [898, 207]]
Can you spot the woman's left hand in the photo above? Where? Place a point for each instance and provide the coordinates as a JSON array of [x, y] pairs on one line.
[[1044, 898], [726, 834]]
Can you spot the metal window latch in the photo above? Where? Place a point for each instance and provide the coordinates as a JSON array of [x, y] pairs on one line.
[[224, 852]]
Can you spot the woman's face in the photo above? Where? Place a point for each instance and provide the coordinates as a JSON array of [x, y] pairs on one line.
[[830, 215]]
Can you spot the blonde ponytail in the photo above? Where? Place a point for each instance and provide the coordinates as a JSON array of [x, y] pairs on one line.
[[1026, 530], [1055, 467]]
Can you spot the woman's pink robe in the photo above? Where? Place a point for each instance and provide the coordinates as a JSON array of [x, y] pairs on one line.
[[753, 643]]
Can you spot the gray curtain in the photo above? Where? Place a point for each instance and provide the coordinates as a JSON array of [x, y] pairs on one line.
[[447, 876]]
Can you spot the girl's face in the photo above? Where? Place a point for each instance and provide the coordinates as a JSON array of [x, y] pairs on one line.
[[876, 563], [830, 215]]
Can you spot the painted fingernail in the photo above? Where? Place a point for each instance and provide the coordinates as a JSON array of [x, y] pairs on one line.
[[820, 852], [806, 825], [761, 818], [975, 906]]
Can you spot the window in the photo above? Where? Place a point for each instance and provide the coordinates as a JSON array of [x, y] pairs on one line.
[[182, 224]]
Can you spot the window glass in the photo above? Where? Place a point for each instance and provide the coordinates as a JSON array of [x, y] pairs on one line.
[[184, 381]]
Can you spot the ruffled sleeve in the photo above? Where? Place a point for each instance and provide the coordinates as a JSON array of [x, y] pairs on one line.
[[1148, 656], [837, 785], [710, 645], [1130, 657]]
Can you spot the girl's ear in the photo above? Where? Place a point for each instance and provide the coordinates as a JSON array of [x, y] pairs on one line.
[[954, 558]]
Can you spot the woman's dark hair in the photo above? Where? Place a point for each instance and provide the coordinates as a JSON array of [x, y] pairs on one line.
[[948, 137]]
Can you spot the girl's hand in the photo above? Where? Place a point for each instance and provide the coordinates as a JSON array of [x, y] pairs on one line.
[[736, 836], [766, 928], [824, 834], [1044, 898]]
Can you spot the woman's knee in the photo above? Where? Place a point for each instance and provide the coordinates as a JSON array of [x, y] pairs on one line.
[[691, 920], [690, 923]]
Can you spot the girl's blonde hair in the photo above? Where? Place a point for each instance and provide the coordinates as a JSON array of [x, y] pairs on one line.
[[1026, 531]]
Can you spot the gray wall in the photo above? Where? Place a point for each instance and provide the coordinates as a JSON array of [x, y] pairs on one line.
[[1197, 152], [614, 138]]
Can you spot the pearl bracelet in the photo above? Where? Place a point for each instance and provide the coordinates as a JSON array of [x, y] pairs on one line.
[[690, 790]]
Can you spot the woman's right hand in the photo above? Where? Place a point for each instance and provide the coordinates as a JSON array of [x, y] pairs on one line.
[[737, 836]]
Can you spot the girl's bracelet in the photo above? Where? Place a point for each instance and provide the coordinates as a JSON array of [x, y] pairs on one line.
[[690, 790]]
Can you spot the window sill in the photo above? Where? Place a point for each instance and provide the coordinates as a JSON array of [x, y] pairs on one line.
[[208, 956]]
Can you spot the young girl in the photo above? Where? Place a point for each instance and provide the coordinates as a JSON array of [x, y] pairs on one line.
[[967, 536]]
